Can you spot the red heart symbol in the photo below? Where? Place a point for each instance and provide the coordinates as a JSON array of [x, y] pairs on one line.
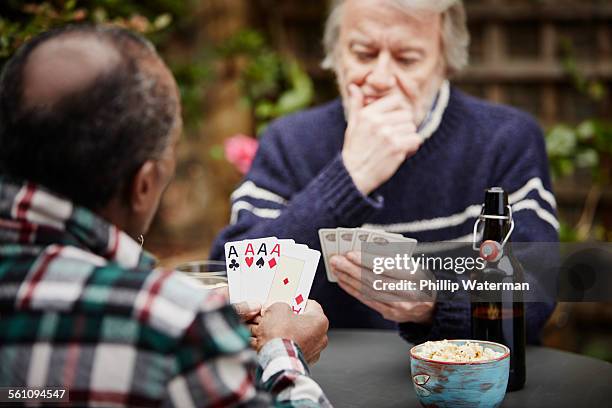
[[249, 261]]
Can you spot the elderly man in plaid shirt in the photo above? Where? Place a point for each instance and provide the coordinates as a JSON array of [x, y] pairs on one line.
[[89, 122]]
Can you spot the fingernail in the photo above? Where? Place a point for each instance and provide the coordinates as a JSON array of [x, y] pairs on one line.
[[253, 305]]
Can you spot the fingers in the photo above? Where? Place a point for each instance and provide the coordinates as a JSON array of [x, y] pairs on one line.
[[253, 343], [312, 307], [278, 307], [247, 310], [389, 103], [354, 257], [314, 359], [343, 265], [396, 118], [362, 281]]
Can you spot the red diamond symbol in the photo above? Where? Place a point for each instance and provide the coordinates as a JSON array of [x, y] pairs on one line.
[[272, 263], [285, 281], [299, 299]]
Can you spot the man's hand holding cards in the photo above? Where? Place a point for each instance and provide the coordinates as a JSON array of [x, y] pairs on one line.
[[350, 265], [270, 270], [341, 241]]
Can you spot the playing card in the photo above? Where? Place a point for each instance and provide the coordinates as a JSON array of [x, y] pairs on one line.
[[232, 266], [380, 241], [361, 236], [345, 239], [294, 276], [329, 246], [260, 258]]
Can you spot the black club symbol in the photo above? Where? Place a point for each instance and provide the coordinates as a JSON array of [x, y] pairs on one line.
[[234, 265]]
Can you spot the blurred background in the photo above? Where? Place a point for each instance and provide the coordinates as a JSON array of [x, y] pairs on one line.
[[242, 63]]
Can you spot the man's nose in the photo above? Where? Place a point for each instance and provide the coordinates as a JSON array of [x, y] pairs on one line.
[[381, 78]]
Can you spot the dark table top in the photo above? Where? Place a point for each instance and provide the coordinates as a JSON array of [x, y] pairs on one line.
[[370, 368]]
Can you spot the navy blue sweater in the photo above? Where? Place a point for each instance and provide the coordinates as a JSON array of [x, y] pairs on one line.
[[298, 184]]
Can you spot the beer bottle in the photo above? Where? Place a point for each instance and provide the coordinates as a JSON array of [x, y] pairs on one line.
[[501, 317]]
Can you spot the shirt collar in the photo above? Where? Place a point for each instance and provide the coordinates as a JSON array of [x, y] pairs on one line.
[[432, 121], [31, 215]]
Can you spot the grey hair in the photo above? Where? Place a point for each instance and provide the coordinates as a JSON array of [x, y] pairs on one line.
[[455, 35]]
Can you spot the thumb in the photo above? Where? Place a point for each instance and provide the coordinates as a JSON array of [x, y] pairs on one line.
[[247, 310]]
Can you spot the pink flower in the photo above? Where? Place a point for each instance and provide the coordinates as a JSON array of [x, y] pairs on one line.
[[240, 151]]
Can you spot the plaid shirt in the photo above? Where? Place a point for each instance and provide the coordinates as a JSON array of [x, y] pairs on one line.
[[81, 307]]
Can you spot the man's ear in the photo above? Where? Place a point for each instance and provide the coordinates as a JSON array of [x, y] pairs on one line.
[[142, 193]]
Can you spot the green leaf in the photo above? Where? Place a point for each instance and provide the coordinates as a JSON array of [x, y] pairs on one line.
[[587, 158], [596, 90], [561, 141], [70, 5], [265, 110], [586, 130], [162, 21], [301, 93], [567, 233], [216, 152], [99, 15], [566, 167]]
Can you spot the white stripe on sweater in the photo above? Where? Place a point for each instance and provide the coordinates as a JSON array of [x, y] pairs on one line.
[[540, 212], [474, 210], [259, 212], [533, 184], [250, 189], [433, 224]]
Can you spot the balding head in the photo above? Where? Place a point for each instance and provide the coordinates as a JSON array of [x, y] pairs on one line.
[[64, 65], [82, 108]]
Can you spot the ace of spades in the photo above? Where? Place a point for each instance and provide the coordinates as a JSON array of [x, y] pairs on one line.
[[260, 258]]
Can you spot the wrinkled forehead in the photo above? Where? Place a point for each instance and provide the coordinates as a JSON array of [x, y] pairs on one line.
[[384, 19]]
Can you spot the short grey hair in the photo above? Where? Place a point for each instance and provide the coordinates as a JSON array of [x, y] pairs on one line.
[[455, 35]]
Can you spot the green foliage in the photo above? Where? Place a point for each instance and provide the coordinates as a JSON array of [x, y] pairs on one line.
[[23, 20], [587, 146], [592, 88], [156, 19], [273, 85], [582, 147]]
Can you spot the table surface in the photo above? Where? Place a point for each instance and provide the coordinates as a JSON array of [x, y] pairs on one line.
[[371, 368]]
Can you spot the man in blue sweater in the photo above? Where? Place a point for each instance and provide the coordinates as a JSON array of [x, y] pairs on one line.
[[403, 151]]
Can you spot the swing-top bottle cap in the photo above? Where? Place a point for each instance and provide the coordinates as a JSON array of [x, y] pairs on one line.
[[496, 201]]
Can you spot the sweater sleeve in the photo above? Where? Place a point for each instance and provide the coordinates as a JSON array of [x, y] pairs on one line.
[[521, 169], [271, 202]]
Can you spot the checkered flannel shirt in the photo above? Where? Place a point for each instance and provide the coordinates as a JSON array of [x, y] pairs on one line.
[[81, 307]]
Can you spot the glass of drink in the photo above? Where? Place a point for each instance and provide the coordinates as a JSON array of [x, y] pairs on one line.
[[211, 274]]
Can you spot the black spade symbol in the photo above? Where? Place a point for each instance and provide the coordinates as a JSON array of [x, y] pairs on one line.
[[260, 262], [234, 265]]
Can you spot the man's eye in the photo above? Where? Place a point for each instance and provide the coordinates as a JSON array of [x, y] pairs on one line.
[[365, 56], [407, 60]]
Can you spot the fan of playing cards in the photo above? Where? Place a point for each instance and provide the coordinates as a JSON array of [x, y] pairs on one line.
[[339, 241], [269, 270]]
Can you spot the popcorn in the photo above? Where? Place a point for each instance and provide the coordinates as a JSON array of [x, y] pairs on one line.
[[451, 352]]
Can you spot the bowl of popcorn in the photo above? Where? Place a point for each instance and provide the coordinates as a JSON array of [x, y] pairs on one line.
[[460, 373]]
